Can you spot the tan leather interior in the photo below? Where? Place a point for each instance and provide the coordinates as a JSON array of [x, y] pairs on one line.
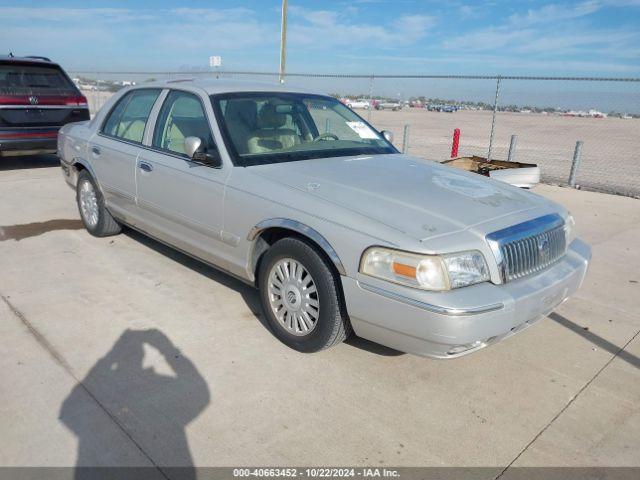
[[133, 119], [271, 134], [186, 119], [132, 130], [241, 119], [174, 138]]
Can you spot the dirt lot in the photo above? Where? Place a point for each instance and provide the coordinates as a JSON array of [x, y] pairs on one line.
[[610, 153], [120, 351]]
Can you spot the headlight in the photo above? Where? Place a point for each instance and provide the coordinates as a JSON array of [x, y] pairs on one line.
[[466, 268], [428, 272], [569, 229]]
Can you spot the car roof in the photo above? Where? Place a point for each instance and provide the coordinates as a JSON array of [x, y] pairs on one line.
[[27, 60], [213, 86]]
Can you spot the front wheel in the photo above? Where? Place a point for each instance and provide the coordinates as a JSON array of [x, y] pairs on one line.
[[300, 297], [95, 217]]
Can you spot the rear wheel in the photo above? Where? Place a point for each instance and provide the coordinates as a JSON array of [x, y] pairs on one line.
[[300, 296], [95, 217]]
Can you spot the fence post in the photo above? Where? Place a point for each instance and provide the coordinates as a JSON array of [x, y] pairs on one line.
[[370, 98], [97, 90], [493, 118], [405, 139], [512, 148], [456, 143], [577, 157], [98, 96]]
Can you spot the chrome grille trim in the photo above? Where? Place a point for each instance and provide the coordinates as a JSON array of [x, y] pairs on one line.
[[528, 247]]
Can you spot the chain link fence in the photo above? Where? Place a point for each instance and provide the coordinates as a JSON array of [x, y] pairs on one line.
[[547, 116]]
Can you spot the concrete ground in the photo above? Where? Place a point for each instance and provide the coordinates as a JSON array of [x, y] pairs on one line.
[[120, 351]]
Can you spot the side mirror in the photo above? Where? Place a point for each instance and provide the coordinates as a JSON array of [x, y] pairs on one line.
[[192, 146], [195, 150], [388, 136]]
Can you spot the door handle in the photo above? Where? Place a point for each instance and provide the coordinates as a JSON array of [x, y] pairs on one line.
[[95, 150], [145, 167]]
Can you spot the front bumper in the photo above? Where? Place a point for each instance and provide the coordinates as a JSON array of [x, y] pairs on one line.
[[461, 321]]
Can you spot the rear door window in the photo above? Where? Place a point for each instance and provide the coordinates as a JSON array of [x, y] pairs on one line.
[[128, 118]]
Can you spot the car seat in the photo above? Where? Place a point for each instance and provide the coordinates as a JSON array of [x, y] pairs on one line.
[[271, 134]]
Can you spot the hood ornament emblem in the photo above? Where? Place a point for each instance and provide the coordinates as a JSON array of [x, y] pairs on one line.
[[313, 186], [33, 100], [543, 248]]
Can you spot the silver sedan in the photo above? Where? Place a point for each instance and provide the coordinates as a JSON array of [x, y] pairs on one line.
[[294, 193]]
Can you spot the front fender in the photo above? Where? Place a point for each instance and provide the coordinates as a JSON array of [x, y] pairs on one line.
[[302, 229]]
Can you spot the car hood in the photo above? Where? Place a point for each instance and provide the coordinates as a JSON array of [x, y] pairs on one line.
[[420, 198]]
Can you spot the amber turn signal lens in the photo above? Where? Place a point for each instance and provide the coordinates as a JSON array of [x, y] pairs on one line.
[[404, 270]]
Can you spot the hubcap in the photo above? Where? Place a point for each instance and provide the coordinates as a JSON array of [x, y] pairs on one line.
[[88, 203], [293, 297]]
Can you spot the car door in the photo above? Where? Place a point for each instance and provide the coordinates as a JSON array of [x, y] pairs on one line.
[[181, 201], [114, 150]]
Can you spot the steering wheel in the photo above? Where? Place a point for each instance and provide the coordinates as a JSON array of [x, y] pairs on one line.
[[326, 136]]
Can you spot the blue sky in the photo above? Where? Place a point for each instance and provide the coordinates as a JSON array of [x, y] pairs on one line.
[[587, 37]]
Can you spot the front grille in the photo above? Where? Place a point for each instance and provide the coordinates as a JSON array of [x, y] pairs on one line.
[[529, 247]]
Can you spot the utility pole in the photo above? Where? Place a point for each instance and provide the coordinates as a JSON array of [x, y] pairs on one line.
[[283, 41]]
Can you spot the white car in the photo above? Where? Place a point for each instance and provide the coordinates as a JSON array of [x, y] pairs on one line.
[[361, 104]]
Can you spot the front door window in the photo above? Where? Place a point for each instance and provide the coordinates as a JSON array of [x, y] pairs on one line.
[[181, 116]]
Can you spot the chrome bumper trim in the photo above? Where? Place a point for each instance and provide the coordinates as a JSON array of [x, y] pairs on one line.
[[453, 312]]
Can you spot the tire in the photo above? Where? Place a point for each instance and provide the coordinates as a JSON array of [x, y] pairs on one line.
[[103, 224], [331, 324]]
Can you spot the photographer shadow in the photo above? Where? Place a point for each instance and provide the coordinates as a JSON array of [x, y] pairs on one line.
[[152, 409]]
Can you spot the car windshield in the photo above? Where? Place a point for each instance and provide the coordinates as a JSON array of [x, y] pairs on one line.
[[261, 128]]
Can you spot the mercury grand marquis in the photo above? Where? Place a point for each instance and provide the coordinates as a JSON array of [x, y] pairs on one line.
[[295, 194]]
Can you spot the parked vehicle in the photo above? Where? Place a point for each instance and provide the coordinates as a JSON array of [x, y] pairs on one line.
[[442, 108], [36, 99], [359, 104], [395, 106], [319, 211]]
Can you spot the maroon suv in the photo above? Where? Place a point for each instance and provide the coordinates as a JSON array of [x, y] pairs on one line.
[[36, 98]]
